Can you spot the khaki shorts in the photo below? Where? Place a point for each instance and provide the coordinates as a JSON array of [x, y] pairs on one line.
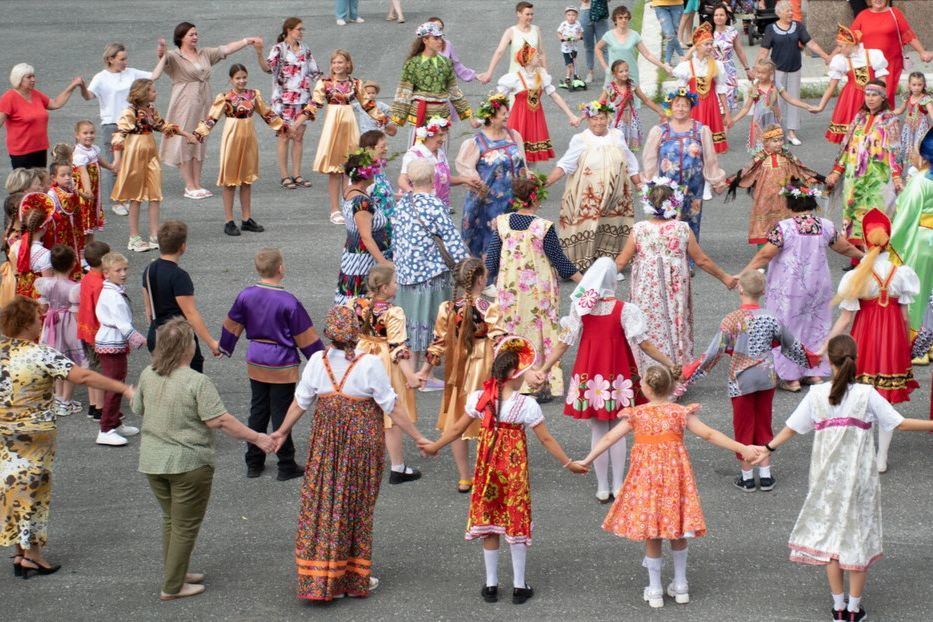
[[93, 361]]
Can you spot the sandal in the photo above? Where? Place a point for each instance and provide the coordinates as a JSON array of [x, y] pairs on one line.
[[789, 386], [301, 181], [336, 218], [464, 486], [289, 183]]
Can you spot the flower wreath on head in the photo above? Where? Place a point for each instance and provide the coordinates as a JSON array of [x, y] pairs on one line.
[[432, 128], [538, 195], [596, 107], [680, 92], [367, 165], [790, 190], [671, 207], [491, 105]]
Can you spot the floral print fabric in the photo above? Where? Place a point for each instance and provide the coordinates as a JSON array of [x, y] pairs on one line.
[[27, 377], [293, 75]]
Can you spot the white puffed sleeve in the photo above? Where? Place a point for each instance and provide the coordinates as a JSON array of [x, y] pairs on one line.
[[470, 406], [905, 285], [634, 323]]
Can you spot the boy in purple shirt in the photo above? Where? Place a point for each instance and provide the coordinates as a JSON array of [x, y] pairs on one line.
[[277, 326]]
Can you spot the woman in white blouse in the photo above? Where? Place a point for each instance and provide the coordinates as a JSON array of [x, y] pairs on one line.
[[596, 212]]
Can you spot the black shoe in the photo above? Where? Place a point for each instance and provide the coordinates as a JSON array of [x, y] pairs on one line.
[[848, 616], [289, 472], [490, 594], [522, 594], [745, 485], [254, 470], [35, 568], [839, 614], [400, 478], [93, 413], [230, 228], [766, 483], [252, 225]]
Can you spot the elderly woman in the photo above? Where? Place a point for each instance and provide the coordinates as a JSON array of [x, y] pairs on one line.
[[28, 431], [111, 87], [180, 407], [422, 271], [596, 212], [24, 112], [799, 286], [349, 393], [494, 156], [429, 145], [190, 67], [885, 28]]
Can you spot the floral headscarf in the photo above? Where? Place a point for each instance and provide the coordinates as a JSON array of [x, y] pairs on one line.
[[343, 327], [598, 282]]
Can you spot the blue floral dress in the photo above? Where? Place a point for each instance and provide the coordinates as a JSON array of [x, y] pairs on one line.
[[681, 159], [383, 195], [355, 262], [499, 162]]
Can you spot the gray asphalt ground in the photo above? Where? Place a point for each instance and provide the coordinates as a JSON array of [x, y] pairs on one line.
[[105, 525]]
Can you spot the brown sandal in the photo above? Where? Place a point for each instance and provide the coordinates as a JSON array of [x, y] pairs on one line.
[[301, 181], [289, 183]]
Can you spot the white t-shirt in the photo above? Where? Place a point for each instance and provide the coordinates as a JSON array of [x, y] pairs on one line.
[[573, 31], [368, 378], [111, 89], [878, 410], [517, 408]]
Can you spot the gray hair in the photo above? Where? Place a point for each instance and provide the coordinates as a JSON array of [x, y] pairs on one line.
[[782, 5], [19, 72], [421, 172]]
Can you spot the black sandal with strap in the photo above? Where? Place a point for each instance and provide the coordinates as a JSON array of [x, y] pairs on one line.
[[301, 181], [289, 183]]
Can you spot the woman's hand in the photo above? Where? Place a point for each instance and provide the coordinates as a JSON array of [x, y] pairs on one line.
[[535, 378], [427, 447], [483, 77], [265, 443], [413, 381], [730, 281], [898, 185], [391, 129], [926, 57], [190, 138], [160, 47], [278, 439], [574, 121], [75, 83], [129, 392], [578, 467], [476, 123], [831, 180], [753, 454]]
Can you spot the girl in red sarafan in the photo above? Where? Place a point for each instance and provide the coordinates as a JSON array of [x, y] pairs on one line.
[[706, 77], [501, 500]]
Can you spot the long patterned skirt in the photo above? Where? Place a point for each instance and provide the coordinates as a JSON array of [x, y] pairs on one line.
[[26, 459], [334, 543]]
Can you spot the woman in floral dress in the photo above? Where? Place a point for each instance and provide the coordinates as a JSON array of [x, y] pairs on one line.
[[727, 45], [350, 393], [495, 155], [381, 190], [294, 73], [596, 212], [918, 106], [660, 275]]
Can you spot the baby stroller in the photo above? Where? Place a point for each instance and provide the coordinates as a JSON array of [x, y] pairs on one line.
[[755, 27]]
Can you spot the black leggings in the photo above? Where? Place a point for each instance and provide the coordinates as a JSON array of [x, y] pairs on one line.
[[36, 159]]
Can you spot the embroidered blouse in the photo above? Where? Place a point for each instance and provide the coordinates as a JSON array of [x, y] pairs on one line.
[[238, 105], [140, 120]]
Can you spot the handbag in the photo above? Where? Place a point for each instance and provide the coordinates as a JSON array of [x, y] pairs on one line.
[[439, 245], [897, 29]]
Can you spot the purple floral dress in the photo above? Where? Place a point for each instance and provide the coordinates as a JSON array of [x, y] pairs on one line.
[[800, 288]]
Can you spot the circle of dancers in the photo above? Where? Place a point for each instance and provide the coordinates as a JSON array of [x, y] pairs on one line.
[[415, 291]]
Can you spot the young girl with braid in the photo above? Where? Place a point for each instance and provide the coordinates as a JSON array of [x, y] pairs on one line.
[[501, 500], [465, 333]]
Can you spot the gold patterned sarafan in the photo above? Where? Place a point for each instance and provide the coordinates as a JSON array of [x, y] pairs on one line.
[[862, 74], [534, 94]]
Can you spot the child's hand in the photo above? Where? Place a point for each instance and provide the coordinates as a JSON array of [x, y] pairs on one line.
[[130, 392], [578, 468], [427, 447], [413, 381], [136, 340], [731, 282], [391, 129], [535, 378], [574, 121], [751, 454], [759, 456]]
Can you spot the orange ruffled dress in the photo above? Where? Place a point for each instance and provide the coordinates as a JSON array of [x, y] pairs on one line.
[[659, 498]]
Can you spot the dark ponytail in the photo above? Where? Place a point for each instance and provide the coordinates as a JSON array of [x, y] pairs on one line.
[[289, 24], [842, 352], [502, 367]]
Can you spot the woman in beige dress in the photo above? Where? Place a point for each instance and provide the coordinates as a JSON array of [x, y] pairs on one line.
[[189, 67]]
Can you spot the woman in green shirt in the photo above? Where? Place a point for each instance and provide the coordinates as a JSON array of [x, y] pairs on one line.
[[180, 408]]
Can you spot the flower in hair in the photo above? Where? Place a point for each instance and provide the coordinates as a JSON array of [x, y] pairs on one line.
[[367, 165], [680, 92], [432, 128], [596, 107], [671, 207], [537, 196], [491, 105], [790, 190]]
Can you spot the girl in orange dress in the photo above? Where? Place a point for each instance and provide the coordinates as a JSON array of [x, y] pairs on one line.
[[659, 499], [501, 500]]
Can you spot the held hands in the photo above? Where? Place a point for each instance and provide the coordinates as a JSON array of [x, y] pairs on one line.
[[391, 129], [483, 77], [926, 57], [427, 447], [129, 392], [535, 378], [831, 180], [574, 121], [136, 340], [277, 438], [731, 282], [414, 381], [75, 83], [760, 454], [578, 467], [898, 184], [215, 348], [265, 443], [476, 123]]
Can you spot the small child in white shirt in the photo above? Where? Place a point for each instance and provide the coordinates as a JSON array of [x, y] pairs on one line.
[[569, 33]]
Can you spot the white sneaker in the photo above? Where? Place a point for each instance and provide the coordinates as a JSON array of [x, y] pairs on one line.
[[360, 20], [153, 242], [680, 593], [61, 408], [119, 209], [111, 438], [794, 141], [341, 22], [654, 598], [127, 430], [199, 193], [137, 245]]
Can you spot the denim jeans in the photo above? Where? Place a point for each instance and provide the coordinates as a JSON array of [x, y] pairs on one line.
[[107, 131], [592, 33], [669, 16], [346, 9]]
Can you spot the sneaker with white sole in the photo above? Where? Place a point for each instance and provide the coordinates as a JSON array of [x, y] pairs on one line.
[[360, 20], [341, 22], [119, 209], [61, 408], [680, 593], [654, 598], [154, 242], [138, 245], [111, 438], [127, 430]]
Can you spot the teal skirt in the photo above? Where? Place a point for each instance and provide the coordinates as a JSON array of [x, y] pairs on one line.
[[420, 303]]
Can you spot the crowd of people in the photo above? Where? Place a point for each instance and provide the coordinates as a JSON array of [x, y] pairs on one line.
[[414, 291]]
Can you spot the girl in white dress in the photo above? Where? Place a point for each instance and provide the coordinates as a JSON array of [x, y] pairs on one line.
[[839, 525]]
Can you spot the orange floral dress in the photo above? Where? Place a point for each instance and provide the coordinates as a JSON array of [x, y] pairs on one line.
[[659, 497]]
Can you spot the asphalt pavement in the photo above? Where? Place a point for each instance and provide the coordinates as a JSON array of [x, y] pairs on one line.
[[105, 523]]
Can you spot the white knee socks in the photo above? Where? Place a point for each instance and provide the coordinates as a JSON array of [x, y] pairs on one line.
[[680, 568], [884, 441], [653, 564], [519, 552], [491, 559], [616, 455]]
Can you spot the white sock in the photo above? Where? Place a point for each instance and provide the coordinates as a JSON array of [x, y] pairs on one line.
[[617, 453], [854, 602], [653, 564], [401, 468], [598, 430], [764, 471], [519, 552], [884, 441], [839, 602], [747, 475], [680, 568], [491, 559]]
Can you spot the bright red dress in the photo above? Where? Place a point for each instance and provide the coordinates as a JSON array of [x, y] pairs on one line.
[[850, 101], [883, 359], [527, 118], [91, 215], [887, 31], [605, 375], [707, 110], [65, 227]]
